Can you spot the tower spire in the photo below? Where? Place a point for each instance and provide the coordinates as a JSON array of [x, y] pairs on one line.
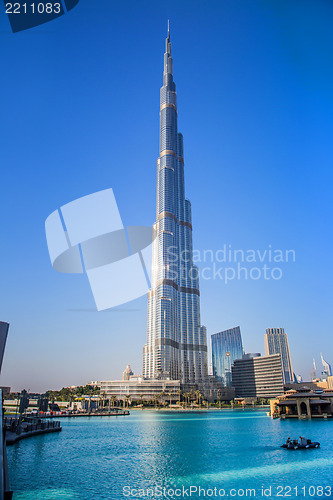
[[167, 54]]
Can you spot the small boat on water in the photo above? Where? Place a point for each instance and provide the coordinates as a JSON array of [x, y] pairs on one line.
[[305, 444]]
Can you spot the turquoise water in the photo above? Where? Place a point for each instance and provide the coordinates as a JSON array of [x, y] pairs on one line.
[[115, 458]]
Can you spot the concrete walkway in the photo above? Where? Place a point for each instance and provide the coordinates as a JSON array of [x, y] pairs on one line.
[[12, 437]]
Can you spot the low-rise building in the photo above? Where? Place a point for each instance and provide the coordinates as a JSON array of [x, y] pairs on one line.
[[139, 388], [303, 403]]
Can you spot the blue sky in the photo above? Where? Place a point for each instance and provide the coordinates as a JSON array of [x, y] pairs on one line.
[[80, 113]]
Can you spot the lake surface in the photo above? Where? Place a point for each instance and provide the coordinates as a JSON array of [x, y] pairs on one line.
[[115, 458]]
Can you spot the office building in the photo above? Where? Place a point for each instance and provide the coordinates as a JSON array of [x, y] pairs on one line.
[[258, 377], [276, 342], [4, 327], [226, 348], [327, 371], [176, 347]]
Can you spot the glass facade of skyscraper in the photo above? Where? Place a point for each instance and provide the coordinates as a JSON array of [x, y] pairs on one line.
[[176, 345], [226, 348], [276, 342], [327, 371]]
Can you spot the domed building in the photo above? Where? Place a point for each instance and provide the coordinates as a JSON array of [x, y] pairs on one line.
[[127, 373]]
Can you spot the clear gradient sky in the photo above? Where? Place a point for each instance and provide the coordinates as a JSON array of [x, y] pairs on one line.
[[80, 113]]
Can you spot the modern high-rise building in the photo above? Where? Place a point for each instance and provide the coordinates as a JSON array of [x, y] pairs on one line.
[[327, 371], [226, 348], [258, 377], [3, 337], [276, 342], [176, 345]]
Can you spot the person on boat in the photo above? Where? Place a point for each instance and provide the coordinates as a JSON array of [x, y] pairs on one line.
[[288, 441], [302, 440]]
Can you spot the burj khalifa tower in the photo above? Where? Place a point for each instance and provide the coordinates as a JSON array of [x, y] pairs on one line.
[[176, 347]]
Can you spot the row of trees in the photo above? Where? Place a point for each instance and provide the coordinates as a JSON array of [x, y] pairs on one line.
[[70, 394], [162, 399], [185, 399]]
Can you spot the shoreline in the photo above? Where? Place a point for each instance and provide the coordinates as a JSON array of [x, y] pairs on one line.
[[183, 410]]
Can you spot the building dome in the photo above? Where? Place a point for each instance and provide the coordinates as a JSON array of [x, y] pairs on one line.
[[127, 373]]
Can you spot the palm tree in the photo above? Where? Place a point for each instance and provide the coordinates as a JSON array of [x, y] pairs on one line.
[[187, 398], [219, 397], [141, 399], [127, 397], [179, 392], [170, 396], [113, 399], [162, 394], [89, 393], [102, 401], [192, 395]]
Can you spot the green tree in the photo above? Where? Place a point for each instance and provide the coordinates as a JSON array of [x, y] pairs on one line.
[[179, 392], [162, 395]]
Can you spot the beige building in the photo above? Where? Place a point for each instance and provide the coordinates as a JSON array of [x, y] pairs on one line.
[[303, 403], [127, 373], [138, 388]]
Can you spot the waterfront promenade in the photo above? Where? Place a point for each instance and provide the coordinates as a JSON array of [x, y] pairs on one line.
[[88, 414], [17, 429]]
